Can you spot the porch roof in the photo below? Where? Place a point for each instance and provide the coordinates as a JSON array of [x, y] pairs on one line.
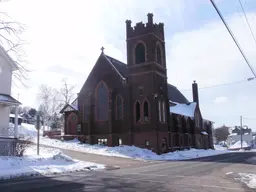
[[68, 107], [8, 100]]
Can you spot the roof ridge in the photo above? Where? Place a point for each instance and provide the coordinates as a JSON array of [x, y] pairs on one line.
[[113, 66], [115, 59]]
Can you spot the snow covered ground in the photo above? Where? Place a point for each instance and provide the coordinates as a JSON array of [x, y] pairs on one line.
[[248, 178], [128, 151], [237, 145], [122, 151], [49, 161]]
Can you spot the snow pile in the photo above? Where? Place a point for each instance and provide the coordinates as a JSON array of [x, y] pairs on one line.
[[27, 130], [248, 178], [237, 145], [50, 161], [129, 151], [219, 147]]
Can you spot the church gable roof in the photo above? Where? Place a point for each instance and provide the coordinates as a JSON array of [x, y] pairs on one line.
[[175, 95], [120, 66]]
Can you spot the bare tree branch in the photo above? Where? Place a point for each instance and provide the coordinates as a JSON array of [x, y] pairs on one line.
[[49, 102], [10, 40], [67, 92]]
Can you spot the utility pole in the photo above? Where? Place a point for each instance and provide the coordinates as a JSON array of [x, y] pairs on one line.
[[38, 129], [241, 130]]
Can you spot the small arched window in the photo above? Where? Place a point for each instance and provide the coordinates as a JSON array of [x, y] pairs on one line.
[[137, 112], [119, 107], [102, 103], [159, 55], [145, 111], [140, 53]]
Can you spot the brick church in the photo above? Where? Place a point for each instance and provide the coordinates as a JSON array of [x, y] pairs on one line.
[[133, 104]]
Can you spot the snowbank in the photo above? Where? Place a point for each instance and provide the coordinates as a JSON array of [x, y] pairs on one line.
[[237, 145], [129, 151], [50, 161], [120, 151], [27, 130], [247, 178]]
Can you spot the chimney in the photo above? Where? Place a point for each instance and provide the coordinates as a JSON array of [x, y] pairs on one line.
[[150, 18], [195, 92]]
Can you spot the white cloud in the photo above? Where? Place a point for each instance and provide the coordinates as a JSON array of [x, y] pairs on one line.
[[220, 100]]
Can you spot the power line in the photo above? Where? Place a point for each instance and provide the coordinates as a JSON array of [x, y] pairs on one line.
[[221, 85], [233, 37], [247, 21], [249, 118]]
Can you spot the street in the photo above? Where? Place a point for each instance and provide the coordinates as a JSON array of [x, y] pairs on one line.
[[204, 174]]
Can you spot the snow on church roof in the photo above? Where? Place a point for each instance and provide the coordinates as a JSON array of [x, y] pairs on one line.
[[183, 109]]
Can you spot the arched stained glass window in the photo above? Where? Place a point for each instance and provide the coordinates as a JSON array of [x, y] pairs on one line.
[[102, 103]]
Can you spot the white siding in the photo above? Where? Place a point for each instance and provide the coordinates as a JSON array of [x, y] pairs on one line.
[[4, 118], [5, 77]]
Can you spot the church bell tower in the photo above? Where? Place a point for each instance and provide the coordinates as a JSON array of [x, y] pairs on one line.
[[148, 75]]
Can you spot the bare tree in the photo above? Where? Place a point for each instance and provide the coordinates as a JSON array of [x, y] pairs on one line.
[[10, 32], [49, 103], [67, 92]]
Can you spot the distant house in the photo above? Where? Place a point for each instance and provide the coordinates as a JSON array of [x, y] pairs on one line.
[[235, 135], [8, 134], [12, 119], [27, 118]]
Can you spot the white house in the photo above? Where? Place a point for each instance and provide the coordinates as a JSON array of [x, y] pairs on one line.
[[235, 136], [8, 135]]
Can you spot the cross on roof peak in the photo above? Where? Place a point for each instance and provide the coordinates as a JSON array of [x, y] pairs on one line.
[[102, 49]]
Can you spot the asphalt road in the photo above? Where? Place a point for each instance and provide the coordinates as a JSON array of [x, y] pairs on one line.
[[205, 174]]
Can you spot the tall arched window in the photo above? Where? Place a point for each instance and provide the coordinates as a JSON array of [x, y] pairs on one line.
[[159, 55], [140, 53], [161, 110], [145, 111], [119, 107], [102, 103], [137, 112]]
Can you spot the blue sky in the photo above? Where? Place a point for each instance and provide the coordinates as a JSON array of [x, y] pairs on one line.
[[64, 40]]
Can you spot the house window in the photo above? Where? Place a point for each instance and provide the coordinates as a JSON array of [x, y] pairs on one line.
[[158, 55], [163, 111], [159, 111], [74, 118], [147, 144], [102, 103], [145, 111], [119, 107], [102, 141], [137, 112], [140, 53]]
